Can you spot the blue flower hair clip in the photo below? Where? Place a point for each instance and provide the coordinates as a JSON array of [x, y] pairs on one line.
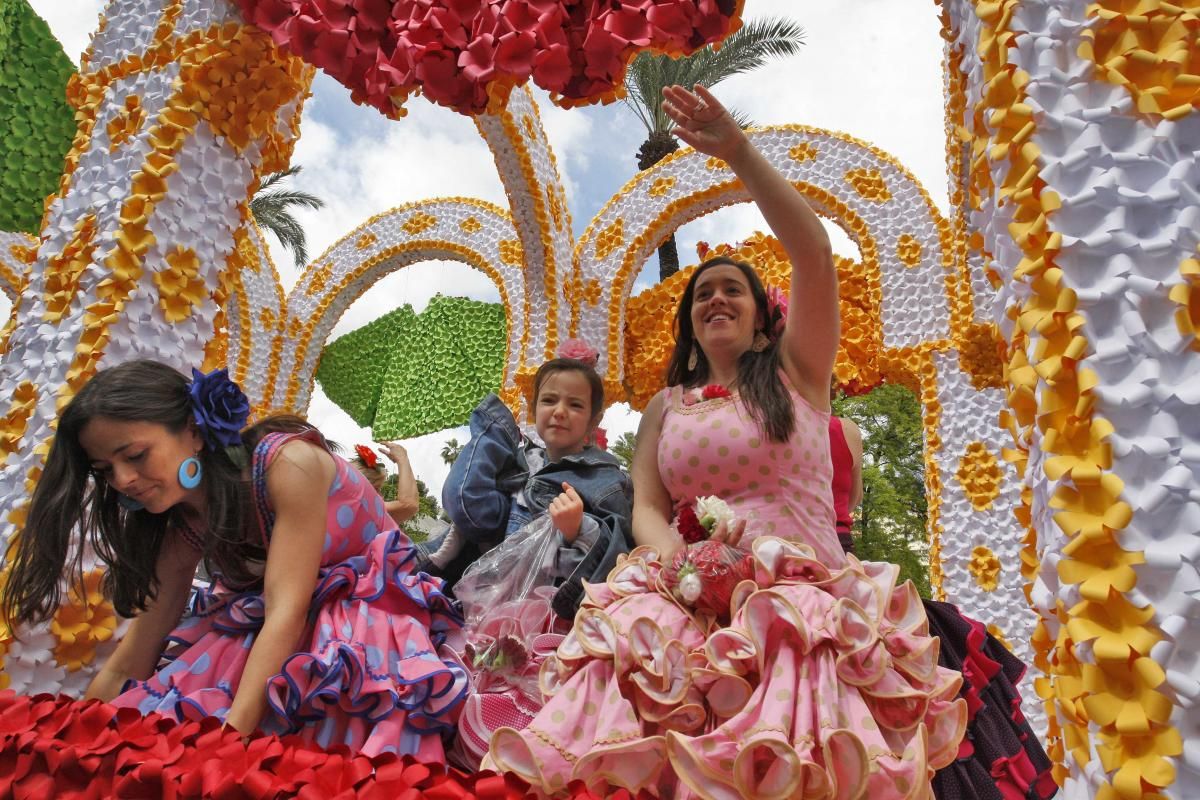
[[220, 408]]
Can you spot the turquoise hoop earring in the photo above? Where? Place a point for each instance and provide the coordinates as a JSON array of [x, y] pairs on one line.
[[128, 503], [187, 478]]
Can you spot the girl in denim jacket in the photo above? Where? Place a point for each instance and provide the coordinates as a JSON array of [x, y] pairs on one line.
[[502, 480]]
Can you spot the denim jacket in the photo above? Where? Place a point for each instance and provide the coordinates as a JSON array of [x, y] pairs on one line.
[[477, 495]]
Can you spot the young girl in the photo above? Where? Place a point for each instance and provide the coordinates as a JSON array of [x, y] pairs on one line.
[[503, 481], [318, 624], [407, 501]]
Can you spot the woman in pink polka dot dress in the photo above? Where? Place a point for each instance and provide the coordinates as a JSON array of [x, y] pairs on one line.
[[821, 680]]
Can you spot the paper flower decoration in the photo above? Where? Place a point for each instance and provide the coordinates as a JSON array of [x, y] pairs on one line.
[[406, 374], [468, 56]]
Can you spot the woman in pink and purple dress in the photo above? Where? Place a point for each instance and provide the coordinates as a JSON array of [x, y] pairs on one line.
[[820, 679], [318, 624]]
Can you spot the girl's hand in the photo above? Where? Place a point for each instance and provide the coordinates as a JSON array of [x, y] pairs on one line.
[[703, 123], [729, 533], [566, 511], [395, 451]]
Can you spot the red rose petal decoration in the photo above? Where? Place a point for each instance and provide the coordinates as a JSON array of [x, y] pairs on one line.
[[468, 54], [57, 747], [714, 391]]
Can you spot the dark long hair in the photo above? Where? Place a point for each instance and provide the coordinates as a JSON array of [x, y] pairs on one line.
[[70, 497], [759, 384]]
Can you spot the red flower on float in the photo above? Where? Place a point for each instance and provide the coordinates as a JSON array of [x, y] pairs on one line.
[[468, 54], [601, 438], [368, 456]]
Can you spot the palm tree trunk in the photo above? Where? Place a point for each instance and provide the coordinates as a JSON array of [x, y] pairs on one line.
[[659, 145]]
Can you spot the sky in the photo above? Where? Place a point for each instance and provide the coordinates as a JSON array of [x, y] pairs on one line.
[[869, 68]]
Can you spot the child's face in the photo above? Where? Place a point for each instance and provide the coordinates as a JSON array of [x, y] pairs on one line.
[[563, 416]]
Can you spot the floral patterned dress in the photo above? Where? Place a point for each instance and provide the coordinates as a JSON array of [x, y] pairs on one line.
[[375, 669], [821, 682]]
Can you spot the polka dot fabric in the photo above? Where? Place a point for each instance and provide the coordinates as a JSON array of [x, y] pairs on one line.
[[714, 447], [375, 670]]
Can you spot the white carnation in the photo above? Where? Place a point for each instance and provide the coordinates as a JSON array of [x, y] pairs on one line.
[[712, 511], [689, 587]]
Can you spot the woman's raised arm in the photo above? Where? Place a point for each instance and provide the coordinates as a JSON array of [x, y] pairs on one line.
[[810, 339]]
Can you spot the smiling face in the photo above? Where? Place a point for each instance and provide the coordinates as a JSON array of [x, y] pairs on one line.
[[563, 413], [724, 314], [141, 460]]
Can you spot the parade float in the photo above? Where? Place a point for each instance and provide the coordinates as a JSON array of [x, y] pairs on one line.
[[1046, 321]]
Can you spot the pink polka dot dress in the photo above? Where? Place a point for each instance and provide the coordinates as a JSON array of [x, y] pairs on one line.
[[375, 668], [824, 682]]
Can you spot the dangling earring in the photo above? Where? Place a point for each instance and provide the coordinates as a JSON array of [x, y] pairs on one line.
[[761, 342], [187, 478], [128, 503], [693, 360]]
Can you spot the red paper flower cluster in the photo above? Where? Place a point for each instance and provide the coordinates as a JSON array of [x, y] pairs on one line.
[[55, 747], [468, 54]]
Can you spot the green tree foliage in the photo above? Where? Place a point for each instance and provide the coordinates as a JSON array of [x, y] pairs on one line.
[[623, 449], [890, 523], [451, 450]]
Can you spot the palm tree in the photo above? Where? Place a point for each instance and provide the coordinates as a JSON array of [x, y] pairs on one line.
[[451, 450], [271, 208], [750, 47]]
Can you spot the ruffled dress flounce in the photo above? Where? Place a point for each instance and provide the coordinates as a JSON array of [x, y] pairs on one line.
[[375, 669], [824, 684]]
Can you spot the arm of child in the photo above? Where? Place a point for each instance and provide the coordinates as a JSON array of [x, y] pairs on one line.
[[408, 500], [136, 655], [298, 484]]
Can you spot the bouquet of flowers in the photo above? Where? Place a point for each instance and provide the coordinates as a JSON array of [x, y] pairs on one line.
[[704, 574]]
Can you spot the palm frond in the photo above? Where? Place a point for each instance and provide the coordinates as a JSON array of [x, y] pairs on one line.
[[749, 48], [271, 208]]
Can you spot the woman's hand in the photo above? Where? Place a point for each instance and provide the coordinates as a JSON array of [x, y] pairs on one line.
[[729, 532], [566, 511], [703, 123]]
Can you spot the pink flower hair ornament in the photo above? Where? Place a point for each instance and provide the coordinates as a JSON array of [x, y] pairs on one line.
[[579, 350], [777, 311]]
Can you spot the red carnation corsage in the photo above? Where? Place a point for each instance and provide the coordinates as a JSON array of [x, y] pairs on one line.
[[367, 455], [714, 391], [688, 525]]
